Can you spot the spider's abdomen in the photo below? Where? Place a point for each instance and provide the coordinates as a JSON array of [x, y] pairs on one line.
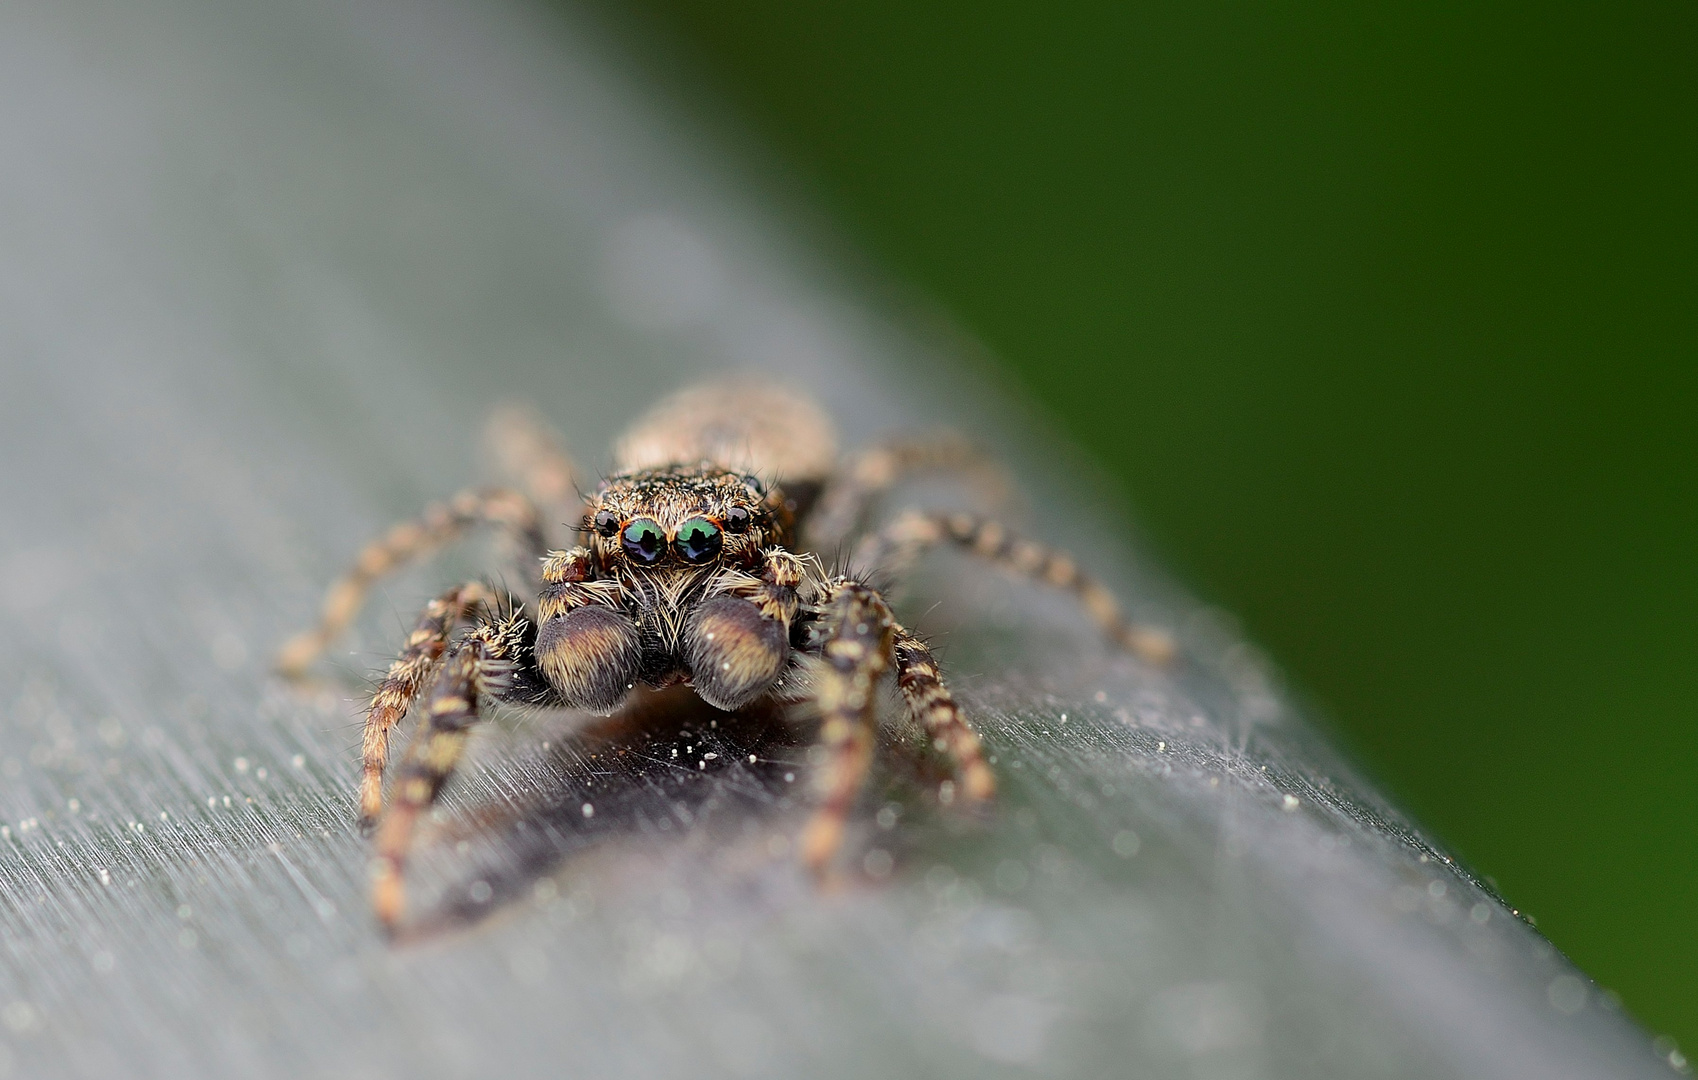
[[751, 427]]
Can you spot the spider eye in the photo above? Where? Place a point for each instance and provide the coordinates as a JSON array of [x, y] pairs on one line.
[[605, 523], [698, 540], [736, 520], [643, 541]]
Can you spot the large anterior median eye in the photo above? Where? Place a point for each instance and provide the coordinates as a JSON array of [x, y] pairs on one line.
[[698, 540], [643, 541]]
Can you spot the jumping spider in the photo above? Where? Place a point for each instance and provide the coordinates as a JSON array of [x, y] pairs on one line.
[[697, 565]]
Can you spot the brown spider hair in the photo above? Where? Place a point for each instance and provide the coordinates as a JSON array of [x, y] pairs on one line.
[[680, 552]]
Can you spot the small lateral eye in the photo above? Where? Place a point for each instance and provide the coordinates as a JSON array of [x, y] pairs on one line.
[[643, 541], [605, 523], [736, 520], [698, 540]]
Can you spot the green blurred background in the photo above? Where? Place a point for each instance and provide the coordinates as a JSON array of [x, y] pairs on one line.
[[1385, 316]]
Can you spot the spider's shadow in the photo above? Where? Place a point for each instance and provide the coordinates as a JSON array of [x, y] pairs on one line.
[[666, 769]]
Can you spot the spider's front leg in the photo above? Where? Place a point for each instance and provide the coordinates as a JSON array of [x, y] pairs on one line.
[[862, 642], [856, 654], [406, 677], [482, 663]]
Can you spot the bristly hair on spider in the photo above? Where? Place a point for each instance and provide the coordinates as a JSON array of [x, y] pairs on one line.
[[701, 561]]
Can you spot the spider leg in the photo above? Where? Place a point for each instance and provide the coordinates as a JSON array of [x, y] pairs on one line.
[[849, 497], [526, 448], [480, 664], [911, 534], [440, 524], [933, 706], [406, 677], [856, 653]]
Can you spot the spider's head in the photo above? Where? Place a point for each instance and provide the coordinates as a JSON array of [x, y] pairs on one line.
[[682, 518], [668, 535]]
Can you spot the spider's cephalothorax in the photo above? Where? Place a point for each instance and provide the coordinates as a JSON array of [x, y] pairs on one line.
[[697, 561], [695, 565]]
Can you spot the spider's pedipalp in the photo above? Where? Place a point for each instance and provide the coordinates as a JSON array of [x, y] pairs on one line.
[[733, 652], [591, 656], [737, 641], [911, 534], [588, 646]]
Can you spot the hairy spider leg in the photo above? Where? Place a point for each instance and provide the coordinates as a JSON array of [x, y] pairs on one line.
[[406, 677], [915, 531], [479, 664], [440, 524], [527, 450], [848, 498], [932, 705], [855, 655]]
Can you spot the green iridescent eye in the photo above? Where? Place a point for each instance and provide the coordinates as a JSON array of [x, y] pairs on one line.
[[698, 540], [643, 541]]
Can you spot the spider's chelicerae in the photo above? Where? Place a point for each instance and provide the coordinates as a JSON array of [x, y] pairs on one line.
[[698, 563]]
